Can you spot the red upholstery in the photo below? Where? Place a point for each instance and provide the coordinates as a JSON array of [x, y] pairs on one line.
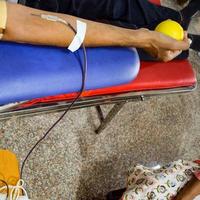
[[156, 75], [155, 1], [152, 76]]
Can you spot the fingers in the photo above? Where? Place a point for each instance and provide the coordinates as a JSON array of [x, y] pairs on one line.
[[163, 55], [185, 35], [168, 43], [186, 40], [173, 54], [176, 49], [167, 56], [182, 45], [176, 53]]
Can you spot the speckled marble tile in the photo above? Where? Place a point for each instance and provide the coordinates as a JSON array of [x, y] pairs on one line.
[[74, 163]]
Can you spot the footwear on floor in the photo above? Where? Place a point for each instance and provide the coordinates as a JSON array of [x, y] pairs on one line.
[[11, 186]]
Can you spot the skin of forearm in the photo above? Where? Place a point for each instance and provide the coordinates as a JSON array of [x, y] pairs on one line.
[[190, 191], [25, 28]]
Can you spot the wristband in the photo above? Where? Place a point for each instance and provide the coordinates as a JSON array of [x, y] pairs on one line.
[[3, 17]]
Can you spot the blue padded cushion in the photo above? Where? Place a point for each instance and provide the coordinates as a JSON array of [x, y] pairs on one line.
[[28, 71]]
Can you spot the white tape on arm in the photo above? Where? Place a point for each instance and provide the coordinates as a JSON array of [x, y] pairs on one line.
[[80, 30], [79, 37]]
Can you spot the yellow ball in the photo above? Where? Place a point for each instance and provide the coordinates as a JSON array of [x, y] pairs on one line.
[[171, 28]]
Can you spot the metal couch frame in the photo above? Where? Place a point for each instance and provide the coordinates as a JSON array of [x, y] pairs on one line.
[[119, 100]]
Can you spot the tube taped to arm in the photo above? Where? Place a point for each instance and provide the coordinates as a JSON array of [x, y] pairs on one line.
[[79, 37], [80, 30], [3, 16]]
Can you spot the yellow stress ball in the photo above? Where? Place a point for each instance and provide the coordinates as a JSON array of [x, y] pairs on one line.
[[171, 28]]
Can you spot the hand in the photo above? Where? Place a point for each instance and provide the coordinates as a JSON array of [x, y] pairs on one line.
[[165, 48]]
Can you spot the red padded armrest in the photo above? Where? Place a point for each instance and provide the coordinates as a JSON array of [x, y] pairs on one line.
[[155, 1], [152, 76], [157, 76]]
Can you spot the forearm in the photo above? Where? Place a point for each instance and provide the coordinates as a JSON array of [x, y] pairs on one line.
[[24, 27], [190, 191]]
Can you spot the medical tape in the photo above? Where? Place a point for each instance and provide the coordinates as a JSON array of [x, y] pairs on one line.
[[79, 37], [81, 28], [3, 16]]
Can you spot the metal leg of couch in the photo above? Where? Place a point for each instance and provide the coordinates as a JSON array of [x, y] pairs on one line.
[[104, 121]]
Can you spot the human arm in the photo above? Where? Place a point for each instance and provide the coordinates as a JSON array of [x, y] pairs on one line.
[[26, 28], [190, 191]]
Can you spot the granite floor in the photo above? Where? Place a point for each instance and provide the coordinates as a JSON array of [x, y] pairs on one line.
[[73, 163]]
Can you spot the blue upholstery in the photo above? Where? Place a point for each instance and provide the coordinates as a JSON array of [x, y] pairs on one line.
[[28, 72]]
